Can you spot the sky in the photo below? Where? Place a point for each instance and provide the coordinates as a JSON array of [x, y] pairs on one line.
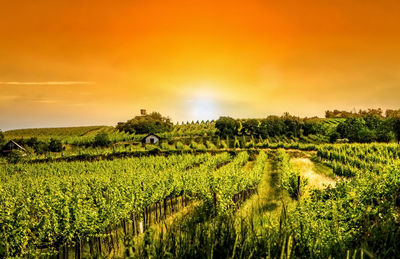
[[96, 62]]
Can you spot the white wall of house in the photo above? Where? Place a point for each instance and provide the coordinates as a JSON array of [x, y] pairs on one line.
[[151, 139]]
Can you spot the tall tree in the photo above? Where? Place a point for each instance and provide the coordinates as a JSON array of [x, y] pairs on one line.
[[227, 126], [396, 127], [151, 123]]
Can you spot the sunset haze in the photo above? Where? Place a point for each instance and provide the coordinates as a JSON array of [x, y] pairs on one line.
[[66, 63]]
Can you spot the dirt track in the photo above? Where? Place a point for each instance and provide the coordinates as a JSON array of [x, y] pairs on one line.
[[307, 169]]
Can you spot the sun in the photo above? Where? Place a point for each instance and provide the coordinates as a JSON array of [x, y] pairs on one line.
[[202, 104]]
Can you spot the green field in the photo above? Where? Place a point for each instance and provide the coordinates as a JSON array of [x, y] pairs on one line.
[[198, 194], [236, 204]]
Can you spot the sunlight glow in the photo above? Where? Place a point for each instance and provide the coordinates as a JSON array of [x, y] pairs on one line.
[[202, 103]]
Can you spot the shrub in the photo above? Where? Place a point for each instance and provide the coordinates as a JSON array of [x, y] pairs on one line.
[[102, 140], [55, 145], [289, 176]]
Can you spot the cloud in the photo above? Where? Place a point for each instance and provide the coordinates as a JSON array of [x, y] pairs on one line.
[[48, 83]]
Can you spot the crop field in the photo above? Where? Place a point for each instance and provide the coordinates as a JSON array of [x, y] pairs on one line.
[[51, 132], [227, 204], [198, 193]]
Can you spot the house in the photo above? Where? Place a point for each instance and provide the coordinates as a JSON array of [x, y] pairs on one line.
[[151, 139], [10, 146]]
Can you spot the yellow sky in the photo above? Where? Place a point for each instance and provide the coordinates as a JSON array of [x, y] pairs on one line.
[[98, 62]]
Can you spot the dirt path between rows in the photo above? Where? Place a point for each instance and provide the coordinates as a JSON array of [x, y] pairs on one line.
[[308, 170]]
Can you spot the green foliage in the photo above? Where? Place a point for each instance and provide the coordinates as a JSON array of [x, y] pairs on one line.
[[197, 146], [56, 203], [151, 123], [2, 139], [16, 156], [396, 127], [289, 176], [236, 143], [357, 218], [210, 145], [250, 127], [224, 144], [102, 140], [44, 134], [179, 145], [227, 126], [55, 145], [366, 129], [353, 114]]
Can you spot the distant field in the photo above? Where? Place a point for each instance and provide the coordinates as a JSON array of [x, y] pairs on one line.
[[69, 135], [51, 132]]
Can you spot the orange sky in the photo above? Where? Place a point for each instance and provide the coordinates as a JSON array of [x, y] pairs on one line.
[[98, 62]]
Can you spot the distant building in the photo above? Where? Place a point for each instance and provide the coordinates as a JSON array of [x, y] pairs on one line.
[[143, 112], [10, 146], [151, 139]]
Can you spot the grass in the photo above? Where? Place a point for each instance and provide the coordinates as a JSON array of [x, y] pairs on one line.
[[51, 132]]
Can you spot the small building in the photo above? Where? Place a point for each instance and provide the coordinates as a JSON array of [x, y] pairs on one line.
[[10, 146], [151, 139]]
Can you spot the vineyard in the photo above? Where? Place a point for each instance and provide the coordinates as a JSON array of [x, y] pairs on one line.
[[198, 194], [65, 203]]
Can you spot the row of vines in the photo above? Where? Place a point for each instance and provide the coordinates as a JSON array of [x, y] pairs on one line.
[[48, 208]]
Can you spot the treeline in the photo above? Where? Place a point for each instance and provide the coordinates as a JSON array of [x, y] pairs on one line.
[[362, 113], [272, 126], [368, 126], [367, 129], [365, 126]]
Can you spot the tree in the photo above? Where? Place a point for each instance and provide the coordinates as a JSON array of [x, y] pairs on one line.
[[250, 126], [293, 125], [55, 145], [396, 127], [40, 147], [385, 131], [334, 136], [352, 129], [102, 140], [312, 126], [151, 123], [227, 126]]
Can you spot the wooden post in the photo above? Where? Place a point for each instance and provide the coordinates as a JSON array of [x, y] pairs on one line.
[[160, 211], [149, 214], [78, 248], [91, 246], [156, 219], [215, 200], [99, 243], [182, 202], [133, 224], [165, 208], [124, 226], [298, 187], [144, 216]]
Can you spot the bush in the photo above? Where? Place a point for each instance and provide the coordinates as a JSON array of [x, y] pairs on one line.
[[102, 140], [16, 156], [289, 176], [55, 145]]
